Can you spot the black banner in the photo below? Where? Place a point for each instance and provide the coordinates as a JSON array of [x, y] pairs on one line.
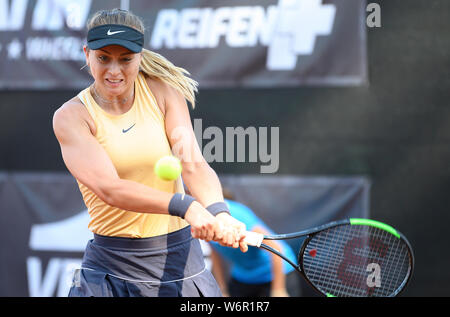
[[268, 43], [43, 220]]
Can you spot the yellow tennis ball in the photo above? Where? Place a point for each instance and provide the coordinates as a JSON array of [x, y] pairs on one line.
[[168, 168]]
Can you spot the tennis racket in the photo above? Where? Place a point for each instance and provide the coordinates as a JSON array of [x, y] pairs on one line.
[[349, 258]]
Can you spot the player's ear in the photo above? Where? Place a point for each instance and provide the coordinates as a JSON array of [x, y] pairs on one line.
[[86, 51], [86, 54]]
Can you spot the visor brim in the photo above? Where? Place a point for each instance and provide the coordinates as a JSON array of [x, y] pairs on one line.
[[95, 45]]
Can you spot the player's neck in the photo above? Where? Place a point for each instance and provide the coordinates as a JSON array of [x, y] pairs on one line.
[[113, 104]]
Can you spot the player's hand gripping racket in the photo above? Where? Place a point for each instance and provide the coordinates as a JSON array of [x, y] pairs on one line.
[[352, 257]]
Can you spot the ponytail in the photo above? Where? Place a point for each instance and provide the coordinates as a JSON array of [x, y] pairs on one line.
[[156, 65]]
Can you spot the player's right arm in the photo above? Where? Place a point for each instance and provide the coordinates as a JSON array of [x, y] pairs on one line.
[[89, 163]]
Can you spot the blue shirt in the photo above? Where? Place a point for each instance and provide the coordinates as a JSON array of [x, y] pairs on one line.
[[255, 265]]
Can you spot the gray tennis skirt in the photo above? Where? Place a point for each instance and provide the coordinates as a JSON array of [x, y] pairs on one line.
[[171, 265]]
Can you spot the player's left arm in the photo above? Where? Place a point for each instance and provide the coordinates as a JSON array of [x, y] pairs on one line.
[[198, 176]]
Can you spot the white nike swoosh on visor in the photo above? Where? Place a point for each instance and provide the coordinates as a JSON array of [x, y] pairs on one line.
[[112, 33]]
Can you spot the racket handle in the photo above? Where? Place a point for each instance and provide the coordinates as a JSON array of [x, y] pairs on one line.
[[253, 238]]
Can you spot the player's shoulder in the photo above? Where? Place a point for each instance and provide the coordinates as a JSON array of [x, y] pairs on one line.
[[157, 84], [162, 90], [70, 113], [164, 93]]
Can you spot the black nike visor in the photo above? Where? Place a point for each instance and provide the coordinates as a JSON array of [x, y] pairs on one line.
[[115, 34]]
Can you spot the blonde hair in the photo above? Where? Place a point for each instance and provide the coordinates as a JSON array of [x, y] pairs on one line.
[[152, 64]]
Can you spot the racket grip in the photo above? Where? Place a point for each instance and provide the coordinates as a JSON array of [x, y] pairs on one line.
[[253, 238]]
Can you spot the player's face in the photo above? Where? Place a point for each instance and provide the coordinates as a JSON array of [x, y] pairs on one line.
[[114, 68]]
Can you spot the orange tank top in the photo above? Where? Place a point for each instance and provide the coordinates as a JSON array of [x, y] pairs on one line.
[[134, 142]]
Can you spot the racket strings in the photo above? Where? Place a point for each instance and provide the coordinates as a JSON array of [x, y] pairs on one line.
[[357, 261]]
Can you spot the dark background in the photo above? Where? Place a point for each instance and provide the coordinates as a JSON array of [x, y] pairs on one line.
[[395, 131]]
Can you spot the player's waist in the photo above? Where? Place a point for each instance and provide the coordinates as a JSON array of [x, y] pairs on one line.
[[122, 223], [157, 242], [166, 258]]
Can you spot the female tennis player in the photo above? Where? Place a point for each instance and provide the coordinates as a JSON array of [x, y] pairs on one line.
[[111, 135]]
